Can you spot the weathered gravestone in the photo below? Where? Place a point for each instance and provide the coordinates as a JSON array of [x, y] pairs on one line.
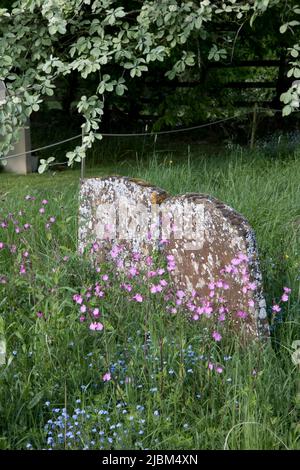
[[119, 210], [213, 246]]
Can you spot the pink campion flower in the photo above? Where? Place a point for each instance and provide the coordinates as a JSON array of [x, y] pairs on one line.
[[96, 312], [195, 316], [171, 266], [211, 286], [216, 336], [219, 284], [149, 261], [78, 299], [105, 277], [99, 293], [22, 269], [127, 287], [17, 230], [219, 369], [276, 308], [164, 241], [26, 226], [161, 271], [178, 302], [212, 294], [47, 226], [251, 303], [95, 247], [225, 286], [180, 294], [170, 258], [52, 220], [106, 377], [210, 366], [1, 245], [200, 310], [25, 254], [82, 318], [208, 310], [96, 326], [242, 314], [136, 256], [287, 290], [163, 283], [155, 288], [83, 308], [235, 261], [228, 268], [133, 271], [173, 310], [44, 202], [285, 298], [3, 225], [151, 273], [42, 210], [39, 314], [138, 298], [221, 317]]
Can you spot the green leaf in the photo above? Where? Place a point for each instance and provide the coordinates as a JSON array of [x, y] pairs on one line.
[[283, 28], [286, 110]]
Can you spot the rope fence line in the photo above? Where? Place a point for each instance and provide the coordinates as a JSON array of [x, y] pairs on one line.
[[142, 134]]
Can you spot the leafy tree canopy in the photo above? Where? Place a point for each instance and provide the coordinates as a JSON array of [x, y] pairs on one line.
[[42, 40]]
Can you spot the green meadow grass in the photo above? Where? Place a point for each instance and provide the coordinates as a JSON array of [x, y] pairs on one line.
[[253, 404]]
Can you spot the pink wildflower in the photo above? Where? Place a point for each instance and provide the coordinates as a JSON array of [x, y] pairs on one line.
[[106, 377], [276, 308], [216, 336], [242, 314], [96, 312], [96, 326], [78, 299], [137, 298], [22, 269]]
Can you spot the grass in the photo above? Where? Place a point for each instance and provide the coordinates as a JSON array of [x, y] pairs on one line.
[[161, 396]]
